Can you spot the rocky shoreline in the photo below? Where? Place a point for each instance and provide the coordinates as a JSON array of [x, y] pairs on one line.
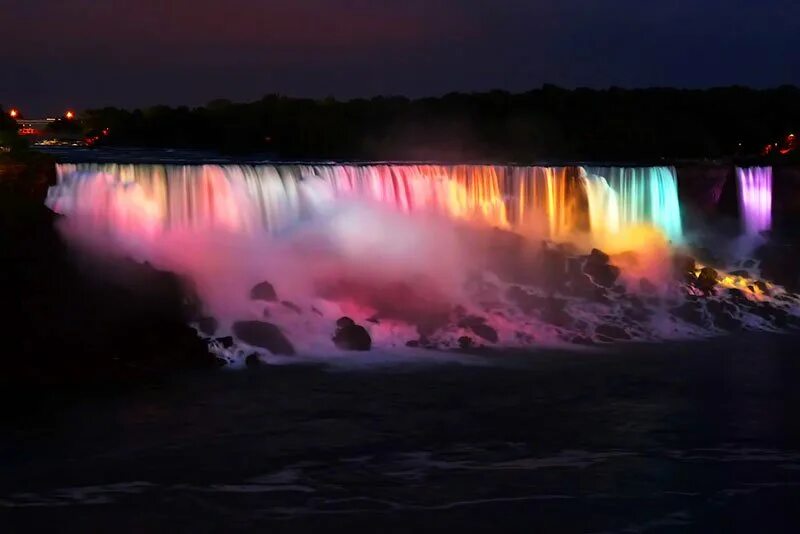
[[67, 323]]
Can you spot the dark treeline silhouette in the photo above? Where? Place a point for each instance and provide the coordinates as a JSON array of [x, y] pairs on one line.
[[550, 123]]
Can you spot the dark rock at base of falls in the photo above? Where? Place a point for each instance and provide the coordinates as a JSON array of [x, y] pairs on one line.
[[598, 268], [479, 328], [691, 312], [344, 322], [351, 336], [252, 361], [707, 280], [226, 341], [79, 320], [554, 312], [207, 326], [265, 335], [599, 257], [263, 291], [612, 332], [465, 343], [682, 265]]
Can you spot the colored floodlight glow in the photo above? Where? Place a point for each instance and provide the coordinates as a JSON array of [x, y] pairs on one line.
[[755, 198]]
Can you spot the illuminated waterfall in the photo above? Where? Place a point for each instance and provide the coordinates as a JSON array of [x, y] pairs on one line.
[[604, 212], [543, 198], [645, 196], [548, 202], [540, 201], [755, 198]]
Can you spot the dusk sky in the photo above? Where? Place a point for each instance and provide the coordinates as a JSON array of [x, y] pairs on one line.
[[91, 53]]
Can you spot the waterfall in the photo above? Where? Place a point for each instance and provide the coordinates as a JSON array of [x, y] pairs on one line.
[[604, 212], [755, 198], [645, 196], [540, 201]]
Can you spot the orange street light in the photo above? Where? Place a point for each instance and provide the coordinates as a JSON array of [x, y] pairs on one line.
[[13, 113], [69, 115]]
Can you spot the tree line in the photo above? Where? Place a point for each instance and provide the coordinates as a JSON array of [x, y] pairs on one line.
[[546, 124]]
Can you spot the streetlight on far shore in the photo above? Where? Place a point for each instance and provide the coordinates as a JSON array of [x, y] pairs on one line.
[[13, 113], [69, 115]]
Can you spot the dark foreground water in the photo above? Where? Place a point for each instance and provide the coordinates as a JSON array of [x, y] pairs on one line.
[[698, 437]]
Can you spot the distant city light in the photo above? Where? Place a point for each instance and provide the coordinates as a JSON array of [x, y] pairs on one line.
[[13, 113], [69, 115]]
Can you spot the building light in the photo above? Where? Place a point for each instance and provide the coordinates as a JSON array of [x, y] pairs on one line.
[[69, 115], [14, 113]]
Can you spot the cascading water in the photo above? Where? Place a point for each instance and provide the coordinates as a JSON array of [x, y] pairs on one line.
[[421, 253], [644, 196], [755, 198]]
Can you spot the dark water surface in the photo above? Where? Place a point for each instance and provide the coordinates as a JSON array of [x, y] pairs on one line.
[[699, 436]]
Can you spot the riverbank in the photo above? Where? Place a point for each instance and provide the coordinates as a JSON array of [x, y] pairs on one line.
[[69, 324]]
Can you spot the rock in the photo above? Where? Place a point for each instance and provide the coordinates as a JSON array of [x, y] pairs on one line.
[[603, 275], [374, 320], [727, 322], [554, 312], [524, 300], [707, 280], [292, 306], [264, 335], [554, 267], [599, 257], [226, 341], [691, 312], [352, 337], [252, 361], [479, 327], [611, 331], [762, 285], [749, 263], [581, 340], [263, 291], [207, 326], [465, 343], [647, 287], [412, 343], [683, 264], [740, 273], [345, 321]]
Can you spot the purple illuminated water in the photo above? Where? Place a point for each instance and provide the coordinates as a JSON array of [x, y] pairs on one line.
[[755, 198]]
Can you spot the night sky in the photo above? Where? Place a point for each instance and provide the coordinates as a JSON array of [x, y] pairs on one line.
[[90, 53]]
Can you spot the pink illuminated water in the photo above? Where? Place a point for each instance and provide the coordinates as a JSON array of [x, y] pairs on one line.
[[755, 198]]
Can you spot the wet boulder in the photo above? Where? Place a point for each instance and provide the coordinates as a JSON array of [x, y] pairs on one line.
[[265, 335], [611, 331], [707, 280], [479, 328], [691, 312], [252, 361], [207, 325], [465, 343], [683, 266], [225, 342], [351, 336], [602, 273], [263, 291]]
